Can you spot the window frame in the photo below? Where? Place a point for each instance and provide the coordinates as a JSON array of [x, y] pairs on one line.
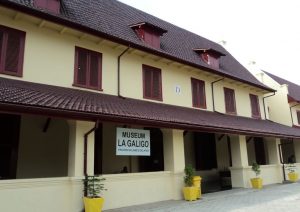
[[3, 51], [153, 69], [100, 60], [204, 106], [234, 101], [257, 116]]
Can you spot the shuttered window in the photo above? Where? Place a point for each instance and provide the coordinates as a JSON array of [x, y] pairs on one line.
[[198, 93], [88, 68], [254, 106], [152, 83], [298, 116], [11, 51], [229, 101]]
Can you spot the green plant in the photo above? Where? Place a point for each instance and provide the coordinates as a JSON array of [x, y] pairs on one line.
[[291, 167], [189, 172], [256, 168], [93, 186]]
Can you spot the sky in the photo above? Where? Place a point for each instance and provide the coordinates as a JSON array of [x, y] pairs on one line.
[[266, 32]]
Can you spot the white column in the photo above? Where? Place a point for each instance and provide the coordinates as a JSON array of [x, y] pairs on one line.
[[77, 131], [273, 150], [239, 161], [174, 158]]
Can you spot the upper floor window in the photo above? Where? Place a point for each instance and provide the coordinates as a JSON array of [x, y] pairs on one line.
[[210, 56], [11, 51], [149, 33], [152, 83], [254, 106], [50, 5], [198, 93], [298, 116], [88, 69], [229, 101]]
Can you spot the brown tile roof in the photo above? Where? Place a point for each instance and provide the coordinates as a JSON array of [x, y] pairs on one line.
[[112, 19], [26, 97], [294, 89]]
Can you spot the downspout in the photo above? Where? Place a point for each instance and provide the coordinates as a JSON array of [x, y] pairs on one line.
[[212, 92], [85, 147], [265, 104], [291, 112], [119, 61]]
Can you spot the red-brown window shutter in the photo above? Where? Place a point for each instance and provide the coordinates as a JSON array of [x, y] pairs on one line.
[[152, 83], [198, 93], [254, 106], [1, 45], [229, 101], [11, 51], [88, 67], [298, 116]]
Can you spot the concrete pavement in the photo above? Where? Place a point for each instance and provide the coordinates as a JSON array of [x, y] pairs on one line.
[[280, 197]]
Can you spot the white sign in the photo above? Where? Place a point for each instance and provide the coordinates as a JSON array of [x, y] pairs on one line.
[[133, 142], [177, 89]]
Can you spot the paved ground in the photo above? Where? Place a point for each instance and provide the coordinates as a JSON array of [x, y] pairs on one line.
[[281, 197]]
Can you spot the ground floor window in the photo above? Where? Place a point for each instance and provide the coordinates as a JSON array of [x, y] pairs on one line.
[[107, 162]]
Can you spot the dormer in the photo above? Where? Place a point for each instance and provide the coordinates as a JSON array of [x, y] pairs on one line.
[[210, 56], [149, 33], [52, 6]]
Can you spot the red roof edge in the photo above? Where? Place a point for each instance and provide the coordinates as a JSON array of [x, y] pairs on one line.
[[79, 27], [76, 115]]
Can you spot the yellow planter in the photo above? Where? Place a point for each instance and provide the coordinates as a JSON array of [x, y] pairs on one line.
[[256, 183], [190, 193], [196, 181], [93, 204], [293, 176]]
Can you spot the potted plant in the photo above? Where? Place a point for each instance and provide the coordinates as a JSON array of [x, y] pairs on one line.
[[293, 175], [93, 202], [257, 181], [189, 191]]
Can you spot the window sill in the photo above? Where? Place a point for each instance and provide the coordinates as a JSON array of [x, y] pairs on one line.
[[231, 113], [199, 107], [87, 87], [12, 74], [155, 99], [256, 117]]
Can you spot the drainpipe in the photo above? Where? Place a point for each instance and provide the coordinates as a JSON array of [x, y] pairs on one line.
[[119, 61], [212, 92], [291, 112], [264, 103], [85, 147]]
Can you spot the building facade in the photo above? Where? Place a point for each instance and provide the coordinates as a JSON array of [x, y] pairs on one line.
[[74, 72]]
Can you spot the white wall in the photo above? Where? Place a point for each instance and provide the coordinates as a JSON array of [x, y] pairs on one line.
[[42, 154]]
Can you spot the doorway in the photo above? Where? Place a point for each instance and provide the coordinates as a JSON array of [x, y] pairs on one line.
[[9, 142]]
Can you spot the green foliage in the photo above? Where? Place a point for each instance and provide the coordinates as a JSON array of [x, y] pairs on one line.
[[256, 168], [291, 167], [93, 186], [189, 174]]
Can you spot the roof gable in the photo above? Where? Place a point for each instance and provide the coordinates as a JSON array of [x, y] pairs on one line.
[[294, 89]]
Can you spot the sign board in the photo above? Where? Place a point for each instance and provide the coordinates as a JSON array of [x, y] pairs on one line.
[[133, 142]]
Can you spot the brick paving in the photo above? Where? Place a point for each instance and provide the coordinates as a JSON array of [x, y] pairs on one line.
[[280, 197]]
